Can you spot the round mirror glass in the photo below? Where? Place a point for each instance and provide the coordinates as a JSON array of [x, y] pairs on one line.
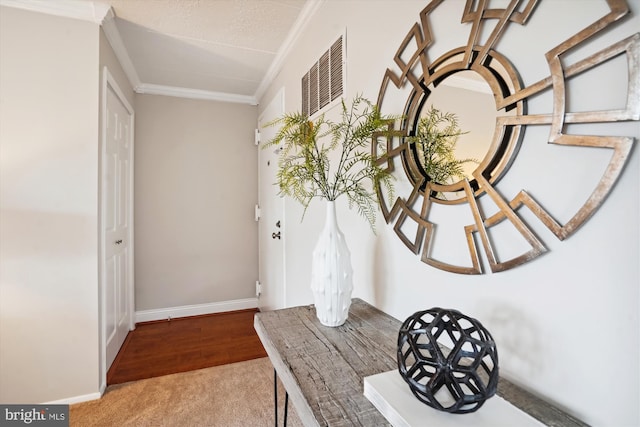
[[460, 114], [455, 130]]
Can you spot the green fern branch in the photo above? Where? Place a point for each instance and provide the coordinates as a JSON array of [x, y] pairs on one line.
[[304, 168], [435, 139]]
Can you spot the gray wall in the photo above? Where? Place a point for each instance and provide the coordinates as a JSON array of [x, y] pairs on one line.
[[195, 191], [49, 81], [109, 60], [197, 184], [548, 316]]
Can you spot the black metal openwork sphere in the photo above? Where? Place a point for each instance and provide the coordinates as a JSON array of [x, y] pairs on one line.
[[449, 360]]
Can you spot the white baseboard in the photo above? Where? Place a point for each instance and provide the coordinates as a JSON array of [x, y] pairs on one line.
[[76, 399], [195, 310]]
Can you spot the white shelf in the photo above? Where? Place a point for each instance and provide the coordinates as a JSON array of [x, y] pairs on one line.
[[392, 397]]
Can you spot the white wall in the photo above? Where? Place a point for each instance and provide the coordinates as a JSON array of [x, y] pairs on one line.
[[49, 84], [195, 191], [566, 324]]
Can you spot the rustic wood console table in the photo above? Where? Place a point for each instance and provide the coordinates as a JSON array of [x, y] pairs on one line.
[[323, 368]]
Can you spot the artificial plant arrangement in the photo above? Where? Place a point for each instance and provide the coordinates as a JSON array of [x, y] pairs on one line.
[[435, 140], [328, 159], [309, 167]]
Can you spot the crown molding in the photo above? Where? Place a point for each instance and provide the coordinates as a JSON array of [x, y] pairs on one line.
[[309, 9], [91, 11], [181, 92], [103, 15]]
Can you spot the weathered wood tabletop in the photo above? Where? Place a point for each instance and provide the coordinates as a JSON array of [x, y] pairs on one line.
[[323, 368]]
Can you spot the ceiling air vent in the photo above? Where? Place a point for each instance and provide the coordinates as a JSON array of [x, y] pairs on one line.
[[324, 81]]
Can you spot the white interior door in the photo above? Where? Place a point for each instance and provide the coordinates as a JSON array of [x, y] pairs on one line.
[[271, 226], [117, 230]]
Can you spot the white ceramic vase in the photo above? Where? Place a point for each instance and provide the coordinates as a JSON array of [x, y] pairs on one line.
[[331, 273]]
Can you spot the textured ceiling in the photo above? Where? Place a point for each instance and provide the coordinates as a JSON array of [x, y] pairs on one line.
[[210, 45]]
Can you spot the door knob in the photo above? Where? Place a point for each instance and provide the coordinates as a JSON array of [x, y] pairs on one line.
[[118, 241], [278, 224], [275, 235]]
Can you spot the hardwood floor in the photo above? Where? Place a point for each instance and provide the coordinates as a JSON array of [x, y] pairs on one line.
[[179, 345]]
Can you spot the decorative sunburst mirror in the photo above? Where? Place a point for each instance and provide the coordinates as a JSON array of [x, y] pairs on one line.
[[474, 225]]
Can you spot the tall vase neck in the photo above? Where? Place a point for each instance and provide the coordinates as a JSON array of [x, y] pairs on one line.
[[331, 213]]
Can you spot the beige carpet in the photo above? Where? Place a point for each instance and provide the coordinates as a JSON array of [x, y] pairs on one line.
[[239, 394]]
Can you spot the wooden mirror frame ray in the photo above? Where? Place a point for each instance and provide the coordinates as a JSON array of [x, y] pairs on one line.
[[419, 76]]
